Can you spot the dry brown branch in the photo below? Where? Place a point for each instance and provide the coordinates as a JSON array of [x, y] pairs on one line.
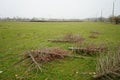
[[89, 49], [35, 62], [108, 67], [84, 50], [69, 37], [40, 56]]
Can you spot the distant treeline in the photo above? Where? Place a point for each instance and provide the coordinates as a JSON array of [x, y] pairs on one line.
[[115, 19], [56, 20], [40, 20]]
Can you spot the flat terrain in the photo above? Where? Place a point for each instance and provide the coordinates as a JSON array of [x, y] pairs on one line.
[[17, 37]]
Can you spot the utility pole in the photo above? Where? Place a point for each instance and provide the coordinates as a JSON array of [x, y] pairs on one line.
[[113, 9]]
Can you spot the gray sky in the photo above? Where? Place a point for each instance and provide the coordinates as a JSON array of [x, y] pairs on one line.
[[57, 8]]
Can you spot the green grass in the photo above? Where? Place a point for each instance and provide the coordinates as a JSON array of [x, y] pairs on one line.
[[16, 37]]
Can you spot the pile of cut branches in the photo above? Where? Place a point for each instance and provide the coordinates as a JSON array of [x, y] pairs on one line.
[[40, 56], [108, 67], [46, 54], [69, 37], [89, 49]]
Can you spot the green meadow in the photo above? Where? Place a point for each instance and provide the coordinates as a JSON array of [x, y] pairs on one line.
[[17, 37]]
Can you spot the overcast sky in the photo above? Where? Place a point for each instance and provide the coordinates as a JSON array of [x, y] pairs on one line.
[[57, 8]]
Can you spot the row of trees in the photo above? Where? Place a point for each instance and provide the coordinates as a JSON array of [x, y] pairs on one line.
[[115, 19]]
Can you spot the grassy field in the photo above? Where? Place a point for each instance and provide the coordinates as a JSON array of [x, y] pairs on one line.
[[16, 37]]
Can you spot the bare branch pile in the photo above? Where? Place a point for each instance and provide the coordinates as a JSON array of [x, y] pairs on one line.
[[69, 37], [35, 58], [108, 67], [46, 54], [89, 49]]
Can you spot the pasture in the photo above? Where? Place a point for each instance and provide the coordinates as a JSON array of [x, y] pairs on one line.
[[17, 37]]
